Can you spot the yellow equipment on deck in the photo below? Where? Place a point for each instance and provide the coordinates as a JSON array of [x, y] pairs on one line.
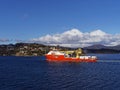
[[77, 52]]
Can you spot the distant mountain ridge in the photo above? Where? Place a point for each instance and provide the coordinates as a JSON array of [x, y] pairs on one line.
[[100, 46], [114, 47], [96, 46]]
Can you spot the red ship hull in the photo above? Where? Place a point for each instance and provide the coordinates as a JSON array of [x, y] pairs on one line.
[[62, 58]]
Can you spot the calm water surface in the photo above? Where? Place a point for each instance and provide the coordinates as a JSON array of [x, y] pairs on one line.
[[34, 73]]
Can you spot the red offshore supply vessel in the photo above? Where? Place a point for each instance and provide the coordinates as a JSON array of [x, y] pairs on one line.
[[69, 56]]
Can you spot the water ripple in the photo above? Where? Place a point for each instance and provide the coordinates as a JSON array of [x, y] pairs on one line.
[[24, 74]]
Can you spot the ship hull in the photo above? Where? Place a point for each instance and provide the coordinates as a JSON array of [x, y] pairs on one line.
[[62, 58]]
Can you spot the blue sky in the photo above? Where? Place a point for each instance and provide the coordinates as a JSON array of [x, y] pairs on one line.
[[27, 19]]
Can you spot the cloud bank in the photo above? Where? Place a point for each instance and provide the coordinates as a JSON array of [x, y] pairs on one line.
[[76, 38]]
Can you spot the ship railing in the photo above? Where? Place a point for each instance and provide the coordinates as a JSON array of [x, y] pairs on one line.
[[94, 57], [88, 57]]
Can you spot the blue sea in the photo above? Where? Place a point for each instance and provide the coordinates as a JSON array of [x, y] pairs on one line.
[[34, 73]]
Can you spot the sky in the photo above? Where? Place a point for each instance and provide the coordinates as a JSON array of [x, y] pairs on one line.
[[86, 22]]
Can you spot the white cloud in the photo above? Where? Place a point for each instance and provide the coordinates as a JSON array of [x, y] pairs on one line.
[[97, 33], [76, 38], [4, 40]]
